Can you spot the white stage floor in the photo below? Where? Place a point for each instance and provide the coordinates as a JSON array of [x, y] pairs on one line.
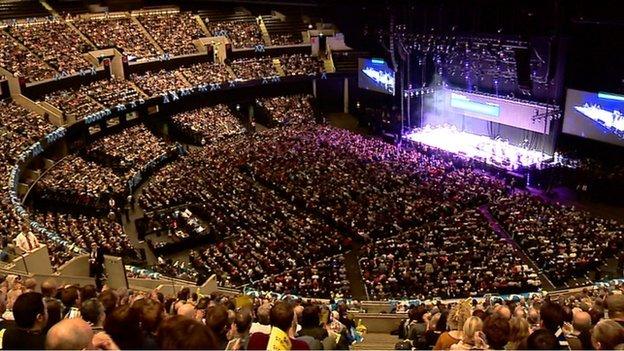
[[495, 152]]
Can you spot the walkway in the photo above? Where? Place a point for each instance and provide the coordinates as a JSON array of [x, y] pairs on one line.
[[354, 274], [502, 233]]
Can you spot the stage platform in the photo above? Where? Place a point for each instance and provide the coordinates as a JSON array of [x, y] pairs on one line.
[[497, 153]]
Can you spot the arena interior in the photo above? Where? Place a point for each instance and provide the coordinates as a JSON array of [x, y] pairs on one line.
[[311, 174]]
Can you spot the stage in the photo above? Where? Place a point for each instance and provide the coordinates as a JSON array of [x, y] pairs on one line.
[[498, 153]]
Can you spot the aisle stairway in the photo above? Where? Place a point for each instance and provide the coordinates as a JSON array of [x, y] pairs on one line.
[[502, 233], [377, 341]]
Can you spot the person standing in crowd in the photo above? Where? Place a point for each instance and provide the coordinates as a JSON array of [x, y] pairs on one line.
[[26, 240], [283, 325], [96, 265], [31, 316]]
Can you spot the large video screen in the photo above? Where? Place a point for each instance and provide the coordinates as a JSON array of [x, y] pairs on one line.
[[597, 116], [374, 74], [468, 111]]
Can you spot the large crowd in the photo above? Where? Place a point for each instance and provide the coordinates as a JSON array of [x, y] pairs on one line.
[[20, 61], [74, 103], [586, 320], [155, 83], [250, 221], [48, 315], [207, 124], [288, 110], [81, 101], [563, 241], [56, 43], [206, 73], [254, 68], [174, 33], [83, 231], [19, 129], [242, 34], [127, 152], [454, 257], [79, 182], [367, 187], [299, 64], [117, 32]]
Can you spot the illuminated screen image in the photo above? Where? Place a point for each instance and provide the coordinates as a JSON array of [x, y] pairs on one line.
[[463, 102], [374, 74], [597, 116]]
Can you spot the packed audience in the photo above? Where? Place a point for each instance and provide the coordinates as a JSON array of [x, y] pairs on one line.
[[207, 124], [323, 279], [52, 316], [19, 129], [576, 322], [455, 257], [286, 38], [84, 230], [112, 92], [155, 83], [56, 43], [79, 182], [367, 187], [250, 222], [127, 152], [18, 60], [73, 102], [288, 110], [206, 73], [118, 32], [242, 34], [254, 68], [300, 64], [86, 99], [174, 33], [563, 241]]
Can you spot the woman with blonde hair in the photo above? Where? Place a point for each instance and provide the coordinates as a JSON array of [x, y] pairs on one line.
[[519, 330], [473, 336], [456, 319]]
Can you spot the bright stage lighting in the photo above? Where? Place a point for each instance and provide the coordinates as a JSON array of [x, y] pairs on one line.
[[495, 152]]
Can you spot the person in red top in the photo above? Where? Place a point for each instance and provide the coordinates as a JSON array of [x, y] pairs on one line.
[[283, 322]]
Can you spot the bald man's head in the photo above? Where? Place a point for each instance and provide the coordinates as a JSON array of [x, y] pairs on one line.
[[69, 334], [48, 288], [503, 312], [581, 321], [186, 310]]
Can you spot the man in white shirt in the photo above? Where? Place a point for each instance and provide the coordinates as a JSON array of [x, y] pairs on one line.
[[26, 240]]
